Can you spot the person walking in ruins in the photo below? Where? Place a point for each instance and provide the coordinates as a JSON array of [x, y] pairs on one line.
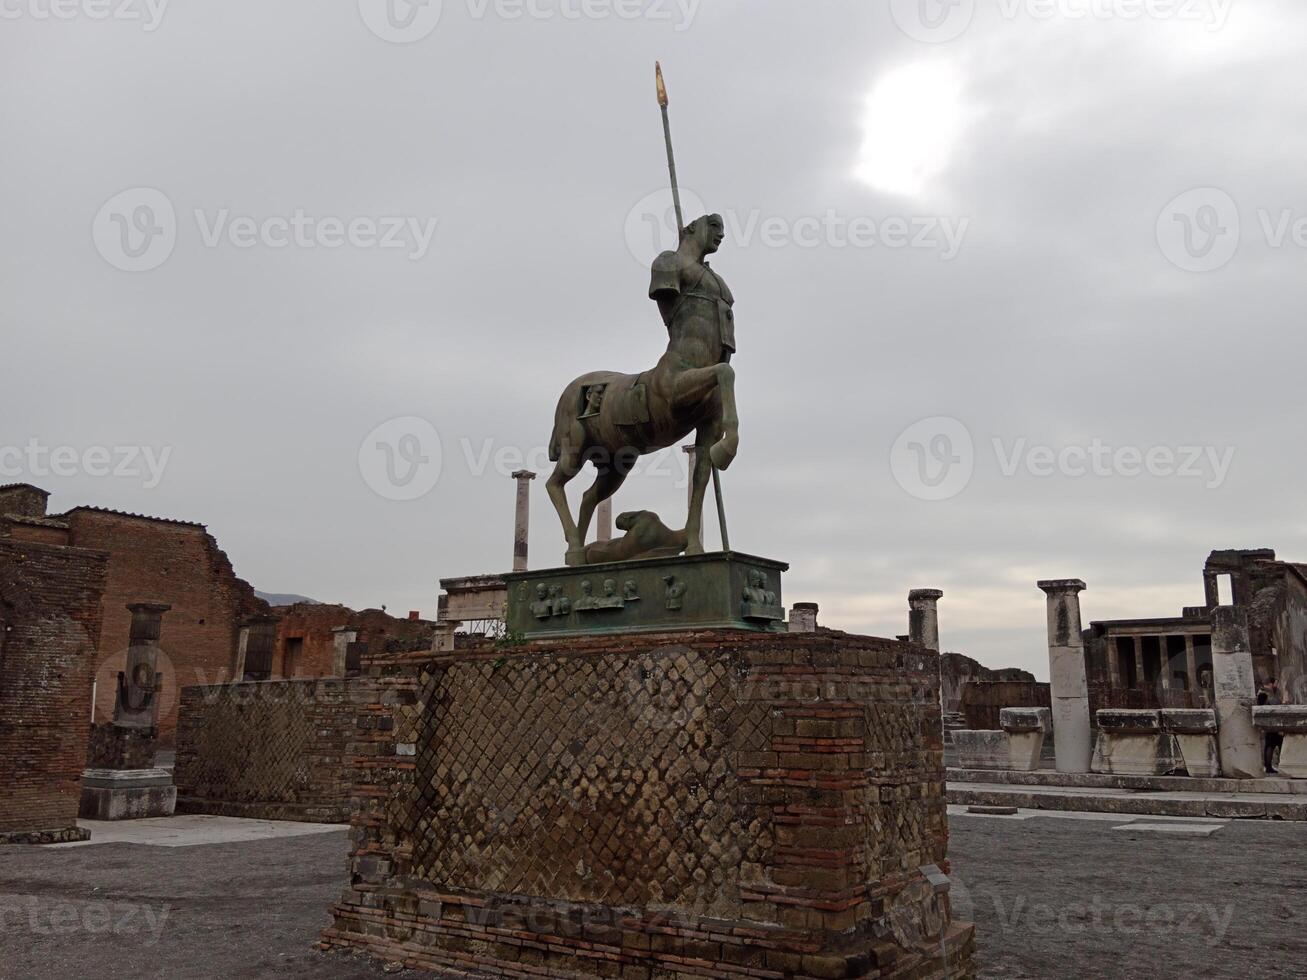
[[1270, 694]]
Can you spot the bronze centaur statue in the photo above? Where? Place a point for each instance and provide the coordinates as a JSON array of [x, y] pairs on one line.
[[610, 419]]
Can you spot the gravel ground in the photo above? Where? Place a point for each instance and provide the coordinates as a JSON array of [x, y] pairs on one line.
[[1077, 899], [1052, 898]]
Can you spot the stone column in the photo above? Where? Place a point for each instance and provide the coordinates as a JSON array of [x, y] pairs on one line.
[[1235, 691], [1072, 739], [137, 704], [341, 638], [923, 617], [521, 525], [242, 644], [605, 518], [803, 618], [1191, 666]]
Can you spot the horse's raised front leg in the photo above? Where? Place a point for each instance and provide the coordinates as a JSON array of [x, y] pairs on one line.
[[566, 469], [698, 383], [708, 434]]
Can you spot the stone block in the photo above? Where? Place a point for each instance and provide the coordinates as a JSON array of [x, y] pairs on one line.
[[1129, 721], [1293, 756], [983, 749], [127, 794], [1286, 719], [1195, 732], [1132, 743], [1018, 720], [1189, 721]]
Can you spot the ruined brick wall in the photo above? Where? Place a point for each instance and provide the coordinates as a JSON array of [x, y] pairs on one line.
[[49, 630], [272, 750], [956, 671], [982, 701], [312, 625], [718, 803], [172, 562]]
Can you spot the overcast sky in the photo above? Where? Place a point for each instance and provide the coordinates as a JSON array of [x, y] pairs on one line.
[[1019, 285]]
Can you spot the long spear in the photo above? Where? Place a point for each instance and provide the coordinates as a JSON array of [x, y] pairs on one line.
[[663, 103], [667, 136]]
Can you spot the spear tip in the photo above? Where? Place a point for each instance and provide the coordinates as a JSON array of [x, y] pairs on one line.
[[662, 87]]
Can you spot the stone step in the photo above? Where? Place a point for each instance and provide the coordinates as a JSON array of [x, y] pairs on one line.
[[1091, 780], [1243, 806]]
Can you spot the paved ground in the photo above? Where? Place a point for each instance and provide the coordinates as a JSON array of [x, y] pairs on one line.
[[1095, 896]]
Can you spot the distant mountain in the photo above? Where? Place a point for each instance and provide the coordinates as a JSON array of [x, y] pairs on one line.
[[285, 598]]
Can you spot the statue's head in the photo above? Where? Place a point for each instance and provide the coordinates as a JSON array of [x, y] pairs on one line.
[[709, 231], [586, 587]]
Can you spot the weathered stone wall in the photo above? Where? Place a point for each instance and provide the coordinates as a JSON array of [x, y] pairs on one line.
[[714, 804], [49, 630], [274, 750]]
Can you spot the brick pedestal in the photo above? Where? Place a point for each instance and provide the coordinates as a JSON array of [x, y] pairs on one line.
[[695, 804]]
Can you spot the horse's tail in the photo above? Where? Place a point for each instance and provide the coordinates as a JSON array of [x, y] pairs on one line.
[[555, 449]]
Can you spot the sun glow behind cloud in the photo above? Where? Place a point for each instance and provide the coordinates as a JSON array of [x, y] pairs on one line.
[[913, 119]]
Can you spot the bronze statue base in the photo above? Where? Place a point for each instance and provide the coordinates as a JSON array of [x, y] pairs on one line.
[[722, 590]]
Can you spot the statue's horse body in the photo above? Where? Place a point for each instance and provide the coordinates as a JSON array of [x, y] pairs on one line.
[[610, 419]]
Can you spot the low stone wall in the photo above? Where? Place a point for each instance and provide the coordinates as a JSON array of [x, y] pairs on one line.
[[273, 750], [691, 804]]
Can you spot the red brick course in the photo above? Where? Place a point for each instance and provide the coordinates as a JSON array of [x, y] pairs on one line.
[[49, 631]]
